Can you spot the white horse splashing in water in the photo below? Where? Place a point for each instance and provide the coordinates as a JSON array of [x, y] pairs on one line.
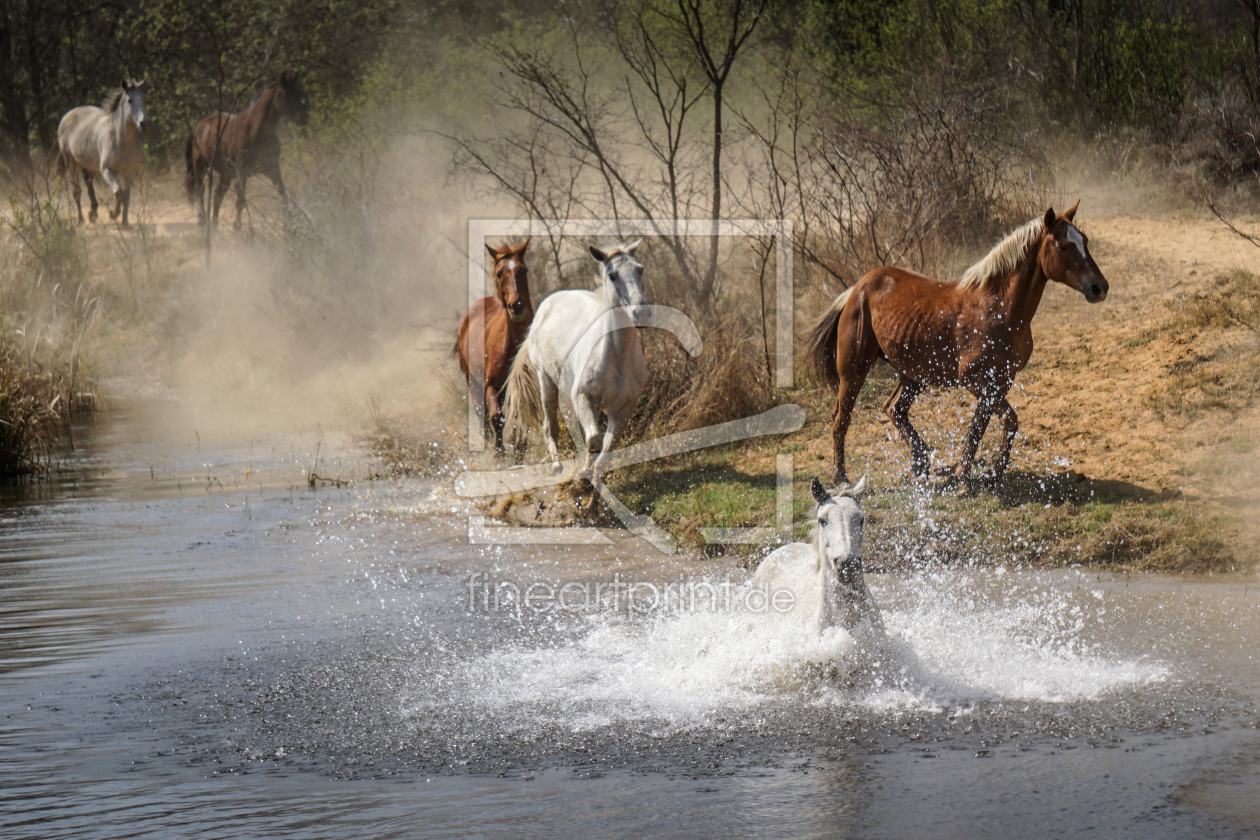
[[104, 141], [581, 346], [826, 578]]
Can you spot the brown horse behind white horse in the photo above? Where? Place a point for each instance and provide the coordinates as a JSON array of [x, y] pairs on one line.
[[503, 320], [975, 333], [104, 141], [240, 145]]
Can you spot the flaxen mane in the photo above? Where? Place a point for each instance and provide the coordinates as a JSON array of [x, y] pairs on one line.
[[1005, 256]]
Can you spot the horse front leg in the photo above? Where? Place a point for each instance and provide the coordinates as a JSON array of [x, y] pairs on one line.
[[592, 440], [116, 188], [240, 201], [986, 405], [612, 431], [219, 192], [272, 171], [494, 410], [126, 207], [906, 392]]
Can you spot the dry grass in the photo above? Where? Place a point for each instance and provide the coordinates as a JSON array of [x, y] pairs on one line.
[[33, 403], [1223, 326]]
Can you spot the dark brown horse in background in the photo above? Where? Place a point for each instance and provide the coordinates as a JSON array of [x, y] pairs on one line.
[[240, 145], [975, 333], [503, 319]]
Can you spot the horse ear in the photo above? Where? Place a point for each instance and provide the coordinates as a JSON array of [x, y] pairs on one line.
[[858, 490], [1050, 218], [493, 253], [599, 255], [523, 246], [140, 83], [1072, 210], [629, 249], [818, 491]]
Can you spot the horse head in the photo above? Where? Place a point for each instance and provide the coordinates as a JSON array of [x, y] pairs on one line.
[[623, 281], [511, 280], [134, 101], [1065, 257], [839, 534], [291, 98]]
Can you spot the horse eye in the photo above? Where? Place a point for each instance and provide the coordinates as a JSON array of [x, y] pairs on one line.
[[822, 521]]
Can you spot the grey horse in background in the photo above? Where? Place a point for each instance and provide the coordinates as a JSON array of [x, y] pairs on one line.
[[104, 141]]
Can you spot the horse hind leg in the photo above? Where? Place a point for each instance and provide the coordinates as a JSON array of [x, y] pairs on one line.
[[906, 392], [73, 169], [549, 396], [1010, 428], [91, 191], [856, 351]]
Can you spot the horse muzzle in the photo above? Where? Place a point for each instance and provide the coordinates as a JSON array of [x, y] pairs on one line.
[[1094, 288]]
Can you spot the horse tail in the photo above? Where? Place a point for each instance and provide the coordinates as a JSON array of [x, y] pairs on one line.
[[522, 406], [821, 344], [190, 171], [62, 163]]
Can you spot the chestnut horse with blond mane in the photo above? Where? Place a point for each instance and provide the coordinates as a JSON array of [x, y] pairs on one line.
[[975, 333], [504, 319]]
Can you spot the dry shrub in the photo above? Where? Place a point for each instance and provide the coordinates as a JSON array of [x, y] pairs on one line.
[[31, 400], [1216, 138], [931, 163], [727, 381]]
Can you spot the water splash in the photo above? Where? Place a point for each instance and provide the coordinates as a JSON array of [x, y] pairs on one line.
[[954, 639]]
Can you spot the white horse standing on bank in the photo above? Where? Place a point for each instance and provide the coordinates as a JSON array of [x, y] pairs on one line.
[[826, 579], [104, 141], [582, 345]]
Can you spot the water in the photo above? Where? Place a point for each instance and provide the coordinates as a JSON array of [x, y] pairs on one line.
[[194, 643]]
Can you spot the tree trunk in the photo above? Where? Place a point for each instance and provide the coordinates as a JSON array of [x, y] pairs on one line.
[[710, 276]]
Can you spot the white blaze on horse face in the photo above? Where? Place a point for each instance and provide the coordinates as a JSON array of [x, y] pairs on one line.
[[511, 265], [1074, 236]]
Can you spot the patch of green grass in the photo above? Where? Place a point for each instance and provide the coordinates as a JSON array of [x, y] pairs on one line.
[[1172, 536]]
